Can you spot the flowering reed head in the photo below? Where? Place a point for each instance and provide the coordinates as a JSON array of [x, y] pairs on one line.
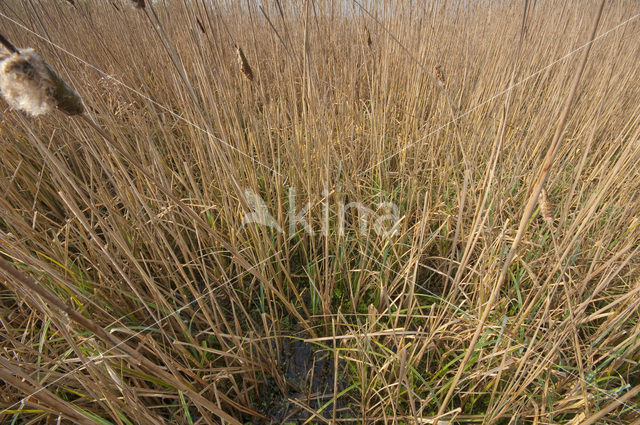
[[244, 64], [29, 84], [545, 207], [439, 74]]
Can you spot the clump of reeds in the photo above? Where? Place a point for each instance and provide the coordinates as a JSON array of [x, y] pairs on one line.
[[29, 84], [245, 68]]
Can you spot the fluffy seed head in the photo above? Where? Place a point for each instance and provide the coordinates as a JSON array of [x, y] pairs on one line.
[[25, 82], [244, 64], [545, 207], [29, 84]]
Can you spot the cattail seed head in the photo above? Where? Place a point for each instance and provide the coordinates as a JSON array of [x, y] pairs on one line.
[[369, 41], [67, 100], [545, 207], [29, 84], [244, 64], [26, 84]]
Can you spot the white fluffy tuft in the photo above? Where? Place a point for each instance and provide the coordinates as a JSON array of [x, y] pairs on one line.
[[25, 82]]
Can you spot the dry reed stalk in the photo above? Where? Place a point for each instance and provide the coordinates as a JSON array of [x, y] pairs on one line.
[[486, 200], [32, 287], [528, 211], [244, 64], [200, 25], [10, 48]]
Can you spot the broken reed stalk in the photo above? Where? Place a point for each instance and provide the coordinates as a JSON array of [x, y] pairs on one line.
[[45, 399], [528, 212], [612, 405], [139, 359]]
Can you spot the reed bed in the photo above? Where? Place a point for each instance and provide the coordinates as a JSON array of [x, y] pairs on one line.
[[320, 212]]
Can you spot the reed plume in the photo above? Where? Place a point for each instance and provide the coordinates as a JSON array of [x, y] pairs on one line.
[[244, 64], [138, 4], [439, 74], [545, 207]]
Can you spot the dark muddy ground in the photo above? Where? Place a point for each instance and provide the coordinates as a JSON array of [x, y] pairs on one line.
[[312, 382]]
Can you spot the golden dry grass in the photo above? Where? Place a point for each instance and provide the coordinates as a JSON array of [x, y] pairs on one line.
[[138, 293]]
